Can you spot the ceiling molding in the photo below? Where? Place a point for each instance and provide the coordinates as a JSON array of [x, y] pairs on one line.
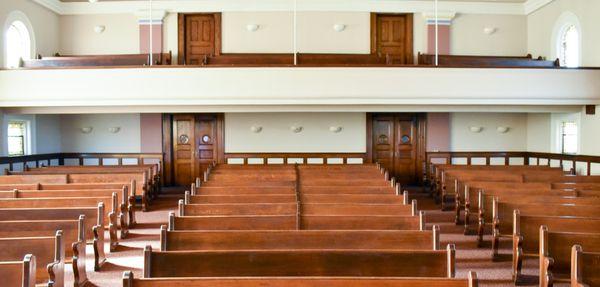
[[174, 6], [533, 5]]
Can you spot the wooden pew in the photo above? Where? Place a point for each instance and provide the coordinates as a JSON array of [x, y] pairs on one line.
[[584, 267], [19, 273], [292, 222], [94, 224], [486, 61], [109, 218], [74, 240], [368, 263], [126, 211], [130, 281], [555, 253], [486, 203], [237, 190], [59, 61], [526, 234], [299, 239], [505, 212], [49, 252], [305, 198]]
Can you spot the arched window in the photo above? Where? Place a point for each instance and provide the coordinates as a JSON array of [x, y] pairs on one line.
[[18, 39], [568, 49]]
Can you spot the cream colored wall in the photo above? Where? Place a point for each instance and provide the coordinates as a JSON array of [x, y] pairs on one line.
[[462, 139], [44, 22], [467, 36], [541, 25], [276, 135], [100, 139], [120, 37], [539, 129], [170, 35]]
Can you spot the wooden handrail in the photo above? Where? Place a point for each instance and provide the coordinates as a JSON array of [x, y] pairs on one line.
[[507, 155]]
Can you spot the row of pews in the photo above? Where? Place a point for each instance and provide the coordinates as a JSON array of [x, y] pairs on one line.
[[48, 216], [302, 225], [301, 59], [547, 214]]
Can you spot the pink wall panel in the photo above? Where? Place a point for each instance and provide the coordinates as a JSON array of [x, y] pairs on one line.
[[157, 38], [151, 133], [438, 131], [443, 39]]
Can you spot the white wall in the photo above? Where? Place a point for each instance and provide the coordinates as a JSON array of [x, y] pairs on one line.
[[467, 36], [541, 25], [100, 139], [44, 22], [276, 135], [48, 134], [462, 139], [590, 133], [539, 138], [120, 37]]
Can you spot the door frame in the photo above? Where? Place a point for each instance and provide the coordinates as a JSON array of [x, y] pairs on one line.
[[410, 45], [181, 33], [167, 138], [420, 137]]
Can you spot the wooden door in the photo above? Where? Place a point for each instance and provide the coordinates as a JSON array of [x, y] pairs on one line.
[[397, 143], [199, 36], [207, 139], [197, 141], [392, 36], [184, 164]]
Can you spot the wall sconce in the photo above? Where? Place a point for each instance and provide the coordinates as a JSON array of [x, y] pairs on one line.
[[99, 29], [335, 129], [86, 130], [256, 129], [476, 129], [252, 27], [296, 129], [502, 130], [92, 1], [489, 30], [339, 27], [114, 130]]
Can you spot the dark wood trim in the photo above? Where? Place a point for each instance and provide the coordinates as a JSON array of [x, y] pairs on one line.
[[369, 138], [218, 34], [410, 44], [373, 33], [304, 156], [221, 138], [181, 39], [590, 110], [167, 130]]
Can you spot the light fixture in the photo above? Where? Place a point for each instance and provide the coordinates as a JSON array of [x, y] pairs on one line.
[[339, 27], [92, 1], [114, 130], [489, 30], [335, 129], [475, 129], [502, 130], [256, 129], [86, 130], [296, 129], [252, 27], [99, 29]]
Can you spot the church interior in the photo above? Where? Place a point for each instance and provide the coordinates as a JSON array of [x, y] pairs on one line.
[[300, 143]]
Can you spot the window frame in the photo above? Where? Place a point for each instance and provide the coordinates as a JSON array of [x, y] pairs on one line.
[[21, 17], [26, 138], [566, 20]]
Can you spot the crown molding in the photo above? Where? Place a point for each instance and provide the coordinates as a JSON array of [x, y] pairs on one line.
[[533, 5], [183, 6]]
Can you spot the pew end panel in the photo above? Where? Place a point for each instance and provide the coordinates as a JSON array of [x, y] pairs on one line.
[[19, 273]]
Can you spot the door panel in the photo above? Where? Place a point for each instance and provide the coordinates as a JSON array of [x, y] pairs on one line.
[[200, 37], [183, 149], [196, 141], [397, 143], [394, 37]]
